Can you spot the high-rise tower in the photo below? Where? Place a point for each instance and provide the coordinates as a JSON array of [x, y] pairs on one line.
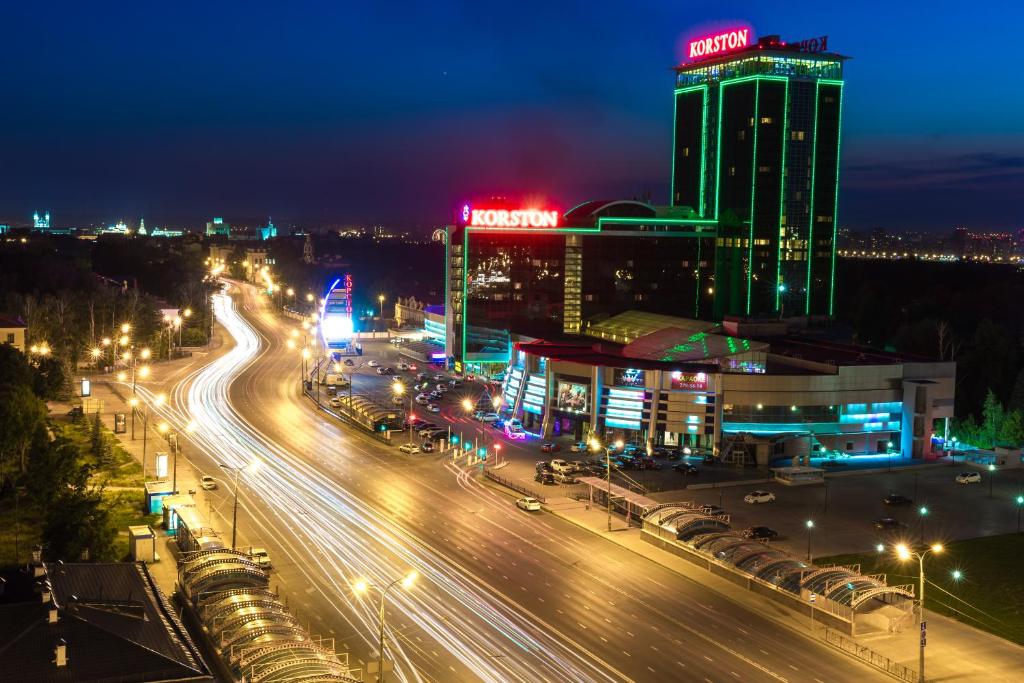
[[756, 146]]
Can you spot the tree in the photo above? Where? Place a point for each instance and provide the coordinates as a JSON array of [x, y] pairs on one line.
[[1012, 430], [98, 447], [53, 467], [50, 379], [75, 522], [993, 417], [21, 414]]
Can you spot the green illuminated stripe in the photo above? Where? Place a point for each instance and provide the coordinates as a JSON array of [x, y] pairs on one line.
[[782, 202], [550, 231], [675, 151], [704, 151], [814, 172], [465, 303], [696, 299], [835, 210], [753, 192], [601, 220]]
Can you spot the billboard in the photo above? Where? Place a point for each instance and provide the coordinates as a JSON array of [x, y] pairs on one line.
[[624, 377], [572, 396], [689, 381]]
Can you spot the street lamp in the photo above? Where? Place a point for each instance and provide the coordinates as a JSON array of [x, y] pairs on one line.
[[991, 478], [397, 388], [1020, 504], [251, 468], [361, 587], [923, 512], [810, 527], [595, 445], [380, 300], [904, 553]]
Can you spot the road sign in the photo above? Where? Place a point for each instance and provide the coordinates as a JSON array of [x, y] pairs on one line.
[[813, 598], [924, 627], [924, 639]]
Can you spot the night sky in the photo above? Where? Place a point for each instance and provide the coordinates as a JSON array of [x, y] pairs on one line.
[[337, 112]]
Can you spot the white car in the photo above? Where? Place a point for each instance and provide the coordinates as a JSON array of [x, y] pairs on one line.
[[441, 388], [207, 483], [759, 497], [486, 417], [335, 402], [410, 448], [373, 364], [422, 399], [528, 504], [439, 377], [968, 478], [397, 401], [433, 407], [579, 447], [403, 366], [559, 465]]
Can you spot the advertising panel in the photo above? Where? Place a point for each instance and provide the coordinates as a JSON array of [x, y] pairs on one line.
[[572, 397], [689, 381], [624, 377]]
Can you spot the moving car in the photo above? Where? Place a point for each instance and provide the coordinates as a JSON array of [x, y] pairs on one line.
[[968, 478], [579, 447], [755, 497], [685, 468], [889, 524], [422, 399], [439, 377], [349, 362], [758, 532], [550, 447], [382, 371], [427, 446], [373, 364], [514, 432], [261, 557], [433, 407], [441, 387], [403, 366], [335, 402], [422, 376], [897, 499], [207, 483], [409, 448], [713, 510], [485, 417], [528, 504], [397, 401]]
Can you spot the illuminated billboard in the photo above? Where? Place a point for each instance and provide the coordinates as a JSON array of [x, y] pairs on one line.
[[629, 378], [689, 381], [726, 41], [572, 397], [336, 326], [508, 218]]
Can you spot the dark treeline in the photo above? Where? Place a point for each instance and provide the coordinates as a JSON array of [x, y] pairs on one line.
[[970, 313]]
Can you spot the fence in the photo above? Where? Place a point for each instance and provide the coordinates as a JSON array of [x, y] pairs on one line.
[[869, 656], [513, 485], [383, 437]]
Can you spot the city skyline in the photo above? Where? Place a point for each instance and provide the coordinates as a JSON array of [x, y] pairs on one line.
[[273, 113]]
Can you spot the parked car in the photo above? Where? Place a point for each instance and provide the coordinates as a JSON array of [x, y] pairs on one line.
[[433, 407], [76, 413], [382, 371], [439, 377], [968, 478], [434, 395], [454, 383], [423, 425], [349, 362], [261, 557], [550, 447], [373, 364], [755, 497], [897, 499], [514, 432], [559, 465], [529, 504], [427, 446], [686, 469], [542, 466], [442, 387], [564, 478], [758, 532], [713, 510], [889, 524], [403, 366], [545, 478], [579, 447], [485, 417], [409, 448], [335, 402], [207, 483], [422, 399], [397, 401], [578, 466], [422, 376]]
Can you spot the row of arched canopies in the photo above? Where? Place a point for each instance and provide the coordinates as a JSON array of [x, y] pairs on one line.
[[712, 535], [251, 627]]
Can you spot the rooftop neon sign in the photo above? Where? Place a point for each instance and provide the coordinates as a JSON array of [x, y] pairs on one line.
[[509, 218], [719, 43]]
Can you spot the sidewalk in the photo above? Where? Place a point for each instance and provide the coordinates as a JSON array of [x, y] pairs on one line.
[[955, 652]]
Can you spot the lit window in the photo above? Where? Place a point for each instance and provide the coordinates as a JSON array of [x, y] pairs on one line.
[[767, 119]]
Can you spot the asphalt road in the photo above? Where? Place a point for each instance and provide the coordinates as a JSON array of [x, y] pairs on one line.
[[501, 594]]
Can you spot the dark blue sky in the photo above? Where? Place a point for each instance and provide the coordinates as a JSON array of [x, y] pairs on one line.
[[341, 111]]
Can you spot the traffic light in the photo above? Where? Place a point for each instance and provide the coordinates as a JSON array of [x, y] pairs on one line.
[[455, 439], [467, 446], [482, 452]]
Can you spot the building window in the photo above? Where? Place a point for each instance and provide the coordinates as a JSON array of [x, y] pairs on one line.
[[732, 170], [797, 135], [764, 169], [10, 338], [686, 151], [741, 135], [767, 119]]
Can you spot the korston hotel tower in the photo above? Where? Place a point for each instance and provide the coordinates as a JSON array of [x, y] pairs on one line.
[[749, 231], [756, 146]]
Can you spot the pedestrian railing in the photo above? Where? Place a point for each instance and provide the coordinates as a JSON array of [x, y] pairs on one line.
[[866, 654], [513, 485]]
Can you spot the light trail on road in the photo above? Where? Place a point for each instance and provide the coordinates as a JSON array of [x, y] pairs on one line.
[[347, 540]]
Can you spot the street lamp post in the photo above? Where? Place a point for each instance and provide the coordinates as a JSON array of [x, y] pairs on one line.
[[362, 587], [252, 467], [380, 300], [810, 527], [595, 445], [923, 511], [991, 478], [905, 553], [1020, 504], [158, 401]]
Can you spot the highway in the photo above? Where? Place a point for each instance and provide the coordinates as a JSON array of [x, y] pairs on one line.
[[501, 595]]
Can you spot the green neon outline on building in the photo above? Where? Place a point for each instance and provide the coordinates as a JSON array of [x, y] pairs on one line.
[[782, 197], [835, 210], [753, 192], [814, 172], [701, 209]]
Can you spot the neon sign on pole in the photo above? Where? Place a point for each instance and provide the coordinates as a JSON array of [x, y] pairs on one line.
[[506, 218], [722, 42]]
